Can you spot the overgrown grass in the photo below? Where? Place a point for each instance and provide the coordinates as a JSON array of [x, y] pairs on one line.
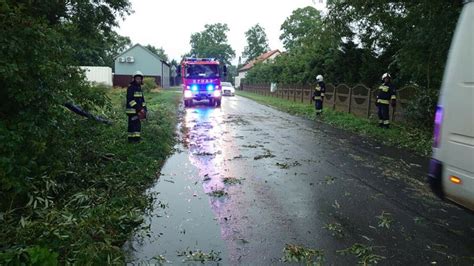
[[84, 215], [399, 135]]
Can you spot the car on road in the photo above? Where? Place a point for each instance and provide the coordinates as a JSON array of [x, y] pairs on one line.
[[451, 174], [227, 89]]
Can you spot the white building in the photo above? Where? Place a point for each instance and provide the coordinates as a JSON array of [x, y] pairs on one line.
[[99, 75], [266, 57]]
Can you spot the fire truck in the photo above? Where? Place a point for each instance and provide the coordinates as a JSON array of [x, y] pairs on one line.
[[201, 79]]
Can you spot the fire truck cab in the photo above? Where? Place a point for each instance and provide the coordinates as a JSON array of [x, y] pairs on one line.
[[201, 79]]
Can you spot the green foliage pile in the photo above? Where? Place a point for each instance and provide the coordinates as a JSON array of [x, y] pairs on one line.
[[69, 187], [37, 80], [358, 41], [87, 201]]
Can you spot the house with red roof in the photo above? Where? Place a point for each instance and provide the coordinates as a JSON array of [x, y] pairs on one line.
[[265, 58]]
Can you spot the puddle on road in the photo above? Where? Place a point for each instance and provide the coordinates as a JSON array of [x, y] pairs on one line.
[[192, 181], [185, 224]]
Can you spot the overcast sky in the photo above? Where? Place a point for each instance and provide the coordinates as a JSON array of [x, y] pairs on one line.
[[170, 23]]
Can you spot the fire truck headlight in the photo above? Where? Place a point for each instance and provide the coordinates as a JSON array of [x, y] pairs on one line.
[[217, 93], [188, 88], [194, 87], [188, 94], [210, 87]]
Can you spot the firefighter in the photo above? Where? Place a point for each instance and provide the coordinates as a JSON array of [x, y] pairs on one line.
[[318, 94], [136, 107], [386, 94]]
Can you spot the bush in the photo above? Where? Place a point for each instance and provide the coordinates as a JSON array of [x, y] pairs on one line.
[[81, 206], [149, 84], [421, 109]]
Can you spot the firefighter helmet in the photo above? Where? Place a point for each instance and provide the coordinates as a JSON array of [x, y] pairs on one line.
[[138, 73], [319, 78], [386, 75]]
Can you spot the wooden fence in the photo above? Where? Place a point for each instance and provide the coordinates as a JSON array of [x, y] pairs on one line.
[[358, 100]]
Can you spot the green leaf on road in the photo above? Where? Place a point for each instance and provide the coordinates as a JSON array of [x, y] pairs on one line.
[[295, 253], [385, 219]]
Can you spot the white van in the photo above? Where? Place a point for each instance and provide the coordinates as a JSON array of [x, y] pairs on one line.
[[451, 173]]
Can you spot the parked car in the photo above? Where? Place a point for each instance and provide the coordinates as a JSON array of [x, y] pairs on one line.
[[451, 173], [227, 89]]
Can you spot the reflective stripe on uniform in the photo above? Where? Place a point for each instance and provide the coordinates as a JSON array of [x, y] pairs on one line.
[[317, 97], [384, 88], [319, 111], [138, 94], [317, 88], [386, 122], [134, 134], [144, 104], [130, 111], [383, 101], [132, 103], [322, 94], [394, 97], [380, 121]]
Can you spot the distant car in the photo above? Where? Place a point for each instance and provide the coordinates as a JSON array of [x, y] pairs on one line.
[[227, 89]]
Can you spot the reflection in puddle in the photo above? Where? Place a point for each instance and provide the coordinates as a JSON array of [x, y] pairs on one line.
[[192, 179], [205, 127]]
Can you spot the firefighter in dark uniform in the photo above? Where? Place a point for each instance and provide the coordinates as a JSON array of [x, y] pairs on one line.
[[386, 94], [136, 107], [318, 94]]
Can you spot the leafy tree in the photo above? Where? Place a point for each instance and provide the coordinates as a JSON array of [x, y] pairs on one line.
[[38, 75], [305, 25], [411, 38], [257, 43], [212, 42], [86, 26], [160, 52], [116, 45]]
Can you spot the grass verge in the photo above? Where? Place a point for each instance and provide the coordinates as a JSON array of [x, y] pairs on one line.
[[398, 135], [85, 214]]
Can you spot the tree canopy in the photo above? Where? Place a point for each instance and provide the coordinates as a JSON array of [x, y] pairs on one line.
[[257, 43], [43, 43], [212, 42], [305, 25], [160, 52], [358, 41]]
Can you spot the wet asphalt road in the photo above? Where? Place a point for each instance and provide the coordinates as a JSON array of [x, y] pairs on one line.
[[297, 182]]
